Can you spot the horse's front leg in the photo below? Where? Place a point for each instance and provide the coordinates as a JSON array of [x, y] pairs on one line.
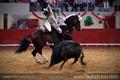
[[43, 54], [36, 57]]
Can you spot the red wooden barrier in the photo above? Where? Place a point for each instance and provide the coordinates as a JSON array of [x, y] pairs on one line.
[[97, 36], [13, 36]]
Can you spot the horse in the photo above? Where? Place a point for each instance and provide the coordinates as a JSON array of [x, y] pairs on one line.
[[40, 38]]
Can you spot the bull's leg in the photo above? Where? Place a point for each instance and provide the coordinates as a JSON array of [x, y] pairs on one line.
[[75, 60], [50, 65], [62, 64], [81, 59]]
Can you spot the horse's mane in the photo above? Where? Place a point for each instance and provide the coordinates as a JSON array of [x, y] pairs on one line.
[[69, 19]]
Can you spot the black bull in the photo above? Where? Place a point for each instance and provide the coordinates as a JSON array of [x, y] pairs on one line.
[[65, 50]]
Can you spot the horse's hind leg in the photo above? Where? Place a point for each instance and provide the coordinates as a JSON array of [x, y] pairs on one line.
[[45, 56], [34, 52], [81, 59]]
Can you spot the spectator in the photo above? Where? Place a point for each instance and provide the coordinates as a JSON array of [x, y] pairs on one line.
[[61, 4], [106, 5], [33, 5], [84, 4], [69, 2], [66, 5], [111, 2], [91, 5], [42, 4], [22, 24], [14, 26], [25, 1], [51, 2], [76, 5], [5, 1], [13, 1], [96, 3]]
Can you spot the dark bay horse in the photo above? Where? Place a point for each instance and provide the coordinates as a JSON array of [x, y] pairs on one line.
[[40, 38]]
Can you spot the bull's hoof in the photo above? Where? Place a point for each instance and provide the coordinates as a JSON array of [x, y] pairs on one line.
[[50, 66], [60, 69], [73, 63], [45, 67]]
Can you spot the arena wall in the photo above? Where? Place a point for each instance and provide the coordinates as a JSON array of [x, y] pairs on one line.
[[1, 21], [98, 36], [117, 20], [14, 8], [86, 36]]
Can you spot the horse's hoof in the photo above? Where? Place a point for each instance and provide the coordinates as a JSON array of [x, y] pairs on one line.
[[47, 61], [83, 63], [39, 62]]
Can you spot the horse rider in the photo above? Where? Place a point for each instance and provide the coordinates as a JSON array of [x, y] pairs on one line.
[[50, 20]]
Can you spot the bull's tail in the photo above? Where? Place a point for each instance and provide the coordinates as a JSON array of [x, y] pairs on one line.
[[82, 57], [24, 44]]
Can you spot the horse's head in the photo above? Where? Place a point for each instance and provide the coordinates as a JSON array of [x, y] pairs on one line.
[[73, 22], [76, 23]]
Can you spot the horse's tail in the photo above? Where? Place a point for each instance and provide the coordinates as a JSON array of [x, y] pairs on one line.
[[24, 44]]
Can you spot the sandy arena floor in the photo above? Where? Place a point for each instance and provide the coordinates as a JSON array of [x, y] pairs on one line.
[[99, 60]]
